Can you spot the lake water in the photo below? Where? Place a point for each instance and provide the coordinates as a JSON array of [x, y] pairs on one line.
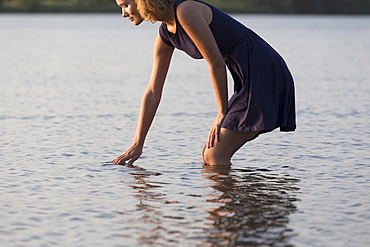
[[70, 92]]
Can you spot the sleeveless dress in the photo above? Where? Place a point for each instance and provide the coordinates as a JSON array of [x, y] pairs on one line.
[[264, 97]]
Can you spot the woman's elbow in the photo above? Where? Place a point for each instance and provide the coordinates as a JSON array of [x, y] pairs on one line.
[[153, 95], [218, 67]]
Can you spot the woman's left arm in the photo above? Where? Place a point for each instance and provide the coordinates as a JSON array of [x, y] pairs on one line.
[[194, 17]]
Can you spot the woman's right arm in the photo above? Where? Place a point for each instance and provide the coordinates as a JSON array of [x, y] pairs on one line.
[[161, 61]]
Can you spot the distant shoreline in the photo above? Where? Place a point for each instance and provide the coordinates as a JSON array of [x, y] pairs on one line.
[[57, 7], [107, 11]]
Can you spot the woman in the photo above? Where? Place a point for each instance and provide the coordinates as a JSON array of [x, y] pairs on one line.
[[263, 98]]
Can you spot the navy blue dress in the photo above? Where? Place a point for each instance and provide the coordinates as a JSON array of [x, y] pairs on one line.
[[263, 98]]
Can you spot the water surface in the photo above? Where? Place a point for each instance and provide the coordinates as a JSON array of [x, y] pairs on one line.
[[70, 92]]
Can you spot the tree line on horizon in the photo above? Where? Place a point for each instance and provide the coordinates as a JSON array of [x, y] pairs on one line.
[[246, 6]]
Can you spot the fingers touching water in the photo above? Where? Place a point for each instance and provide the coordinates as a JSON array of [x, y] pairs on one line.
[[131, 155]]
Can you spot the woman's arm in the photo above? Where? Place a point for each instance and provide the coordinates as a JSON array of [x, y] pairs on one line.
[[150, 102], [195, 18]]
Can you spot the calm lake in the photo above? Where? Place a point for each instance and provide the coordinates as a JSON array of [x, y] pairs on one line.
[[70, 92]]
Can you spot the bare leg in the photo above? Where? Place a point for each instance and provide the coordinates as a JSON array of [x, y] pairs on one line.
[[230, 142]]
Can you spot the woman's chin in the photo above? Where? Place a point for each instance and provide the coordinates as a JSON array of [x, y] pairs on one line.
[[137, 23]]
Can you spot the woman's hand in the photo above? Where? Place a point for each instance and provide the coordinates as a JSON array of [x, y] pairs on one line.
[[214, 133], [132, 154]]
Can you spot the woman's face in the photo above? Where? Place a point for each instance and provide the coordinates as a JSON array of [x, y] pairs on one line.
[[129, 10]]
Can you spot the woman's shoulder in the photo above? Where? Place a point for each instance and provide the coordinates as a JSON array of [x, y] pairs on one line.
[[189, 8], [191, 4]]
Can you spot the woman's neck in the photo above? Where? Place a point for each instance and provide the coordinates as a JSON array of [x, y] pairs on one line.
[[169, 17]]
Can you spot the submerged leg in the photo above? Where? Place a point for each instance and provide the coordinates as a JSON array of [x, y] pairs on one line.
[[230, 142]]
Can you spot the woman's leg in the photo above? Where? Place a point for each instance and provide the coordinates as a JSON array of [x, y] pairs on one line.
[[230, 142]]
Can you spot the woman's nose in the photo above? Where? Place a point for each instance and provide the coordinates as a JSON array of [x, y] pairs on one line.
[[124, 13]]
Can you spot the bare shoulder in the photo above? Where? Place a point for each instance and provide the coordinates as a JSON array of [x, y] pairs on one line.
[[191, 9]]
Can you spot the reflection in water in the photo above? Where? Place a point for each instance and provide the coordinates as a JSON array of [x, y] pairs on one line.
[[254, 210], [244, 208], [146, 221]]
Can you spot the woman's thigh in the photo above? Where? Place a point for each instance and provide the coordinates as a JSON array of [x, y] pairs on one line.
[[230, 142]]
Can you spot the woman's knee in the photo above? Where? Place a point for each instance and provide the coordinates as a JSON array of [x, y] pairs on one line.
[[231, 141], [210, 156], [203, 155]]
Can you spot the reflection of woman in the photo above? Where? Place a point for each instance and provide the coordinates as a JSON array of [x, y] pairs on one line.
[[263, 98], [255, 208]]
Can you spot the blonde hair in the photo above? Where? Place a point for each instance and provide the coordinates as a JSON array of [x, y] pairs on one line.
[[151, 10]]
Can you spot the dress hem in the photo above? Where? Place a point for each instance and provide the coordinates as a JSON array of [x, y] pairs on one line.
[[261, 130]]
